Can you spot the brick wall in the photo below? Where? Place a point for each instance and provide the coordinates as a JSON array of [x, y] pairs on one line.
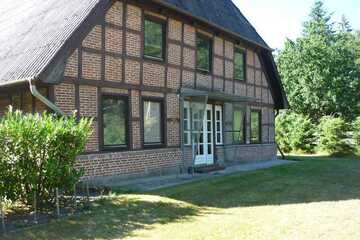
[[248, 153], [126, 164], [110, 60], [65, 97]]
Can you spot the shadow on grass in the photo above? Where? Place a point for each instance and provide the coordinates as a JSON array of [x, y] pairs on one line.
[[311, 179], [113, 218]]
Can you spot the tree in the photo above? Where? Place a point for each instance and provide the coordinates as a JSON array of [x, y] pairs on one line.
[[344, 25], [332, 136], [356, 132], [321, 69], [319, 23], [295, 132]]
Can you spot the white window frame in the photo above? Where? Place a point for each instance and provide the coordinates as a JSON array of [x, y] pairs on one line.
[[187, 133], [218, 108]]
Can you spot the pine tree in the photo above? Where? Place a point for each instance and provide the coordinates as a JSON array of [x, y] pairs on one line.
[[344, 25], [321, 70], [319, 22]]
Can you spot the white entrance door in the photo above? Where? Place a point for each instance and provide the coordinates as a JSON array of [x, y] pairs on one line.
[[205, 148]]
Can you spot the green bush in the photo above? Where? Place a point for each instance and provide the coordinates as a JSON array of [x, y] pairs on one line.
[[283, 125], [303, 136], [295, 132], [332, 136], [356, 135], [38, 154]]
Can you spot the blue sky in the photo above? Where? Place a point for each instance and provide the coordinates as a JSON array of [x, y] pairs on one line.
[[276, 20]]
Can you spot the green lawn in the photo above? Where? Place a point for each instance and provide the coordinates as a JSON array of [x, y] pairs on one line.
[[316, 198]]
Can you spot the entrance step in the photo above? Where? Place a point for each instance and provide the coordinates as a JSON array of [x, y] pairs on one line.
[[210, 168]]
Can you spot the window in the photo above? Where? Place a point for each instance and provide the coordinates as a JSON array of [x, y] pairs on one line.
[[154, 41], [114, 118], [203, 61], [186, 136], [239, 65], [239, 125], [16, 101], [255, 126], [152, 119], [218, 125], [24, 101]]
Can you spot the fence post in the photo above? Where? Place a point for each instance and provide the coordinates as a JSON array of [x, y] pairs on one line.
[[35, 208], [57, 202], [2, 215]]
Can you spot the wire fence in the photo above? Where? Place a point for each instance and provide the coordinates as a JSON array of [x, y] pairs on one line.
[[64, 203]]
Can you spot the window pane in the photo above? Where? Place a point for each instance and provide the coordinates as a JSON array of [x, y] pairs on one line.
[[255, 126], [201, 149], [208, 126], [153, 39], [185, 113], [16, 101], [203, 54], [218, 126], [186, 125], [114, 121], [239, 65], [27, 104], [208, 112], [218, 115], [186, 138], [238, 126], [152, 122]]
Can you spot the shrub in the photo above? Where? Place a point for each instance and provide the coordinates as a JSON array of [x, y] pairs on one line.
[[356, 135], [38, 154], [283, 125], [303, 135], [295, 132], [332, 136]]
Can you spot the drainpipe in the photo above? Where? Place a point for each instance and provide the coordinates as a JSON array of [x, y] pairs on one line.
[[43, 99], [278, 147]]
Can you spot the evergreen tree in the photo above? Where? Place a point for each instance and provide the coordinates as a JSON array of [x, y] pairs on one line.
[[320, 70], [344, 25]]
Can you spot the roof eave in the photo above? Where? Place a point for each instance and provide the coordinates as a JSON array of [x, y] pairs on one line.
[[275, 84], [15, 82]]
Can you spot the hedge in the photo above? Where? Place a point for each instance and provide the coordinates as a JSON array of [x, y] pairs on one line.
[[39, 153]]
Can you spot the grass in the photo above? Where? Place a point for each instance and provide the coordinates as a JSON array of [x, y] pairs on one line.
[[316, 198]]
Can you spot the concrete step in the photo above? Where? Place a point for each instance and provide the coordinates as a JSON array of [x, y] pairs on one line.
[[209, 168]]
